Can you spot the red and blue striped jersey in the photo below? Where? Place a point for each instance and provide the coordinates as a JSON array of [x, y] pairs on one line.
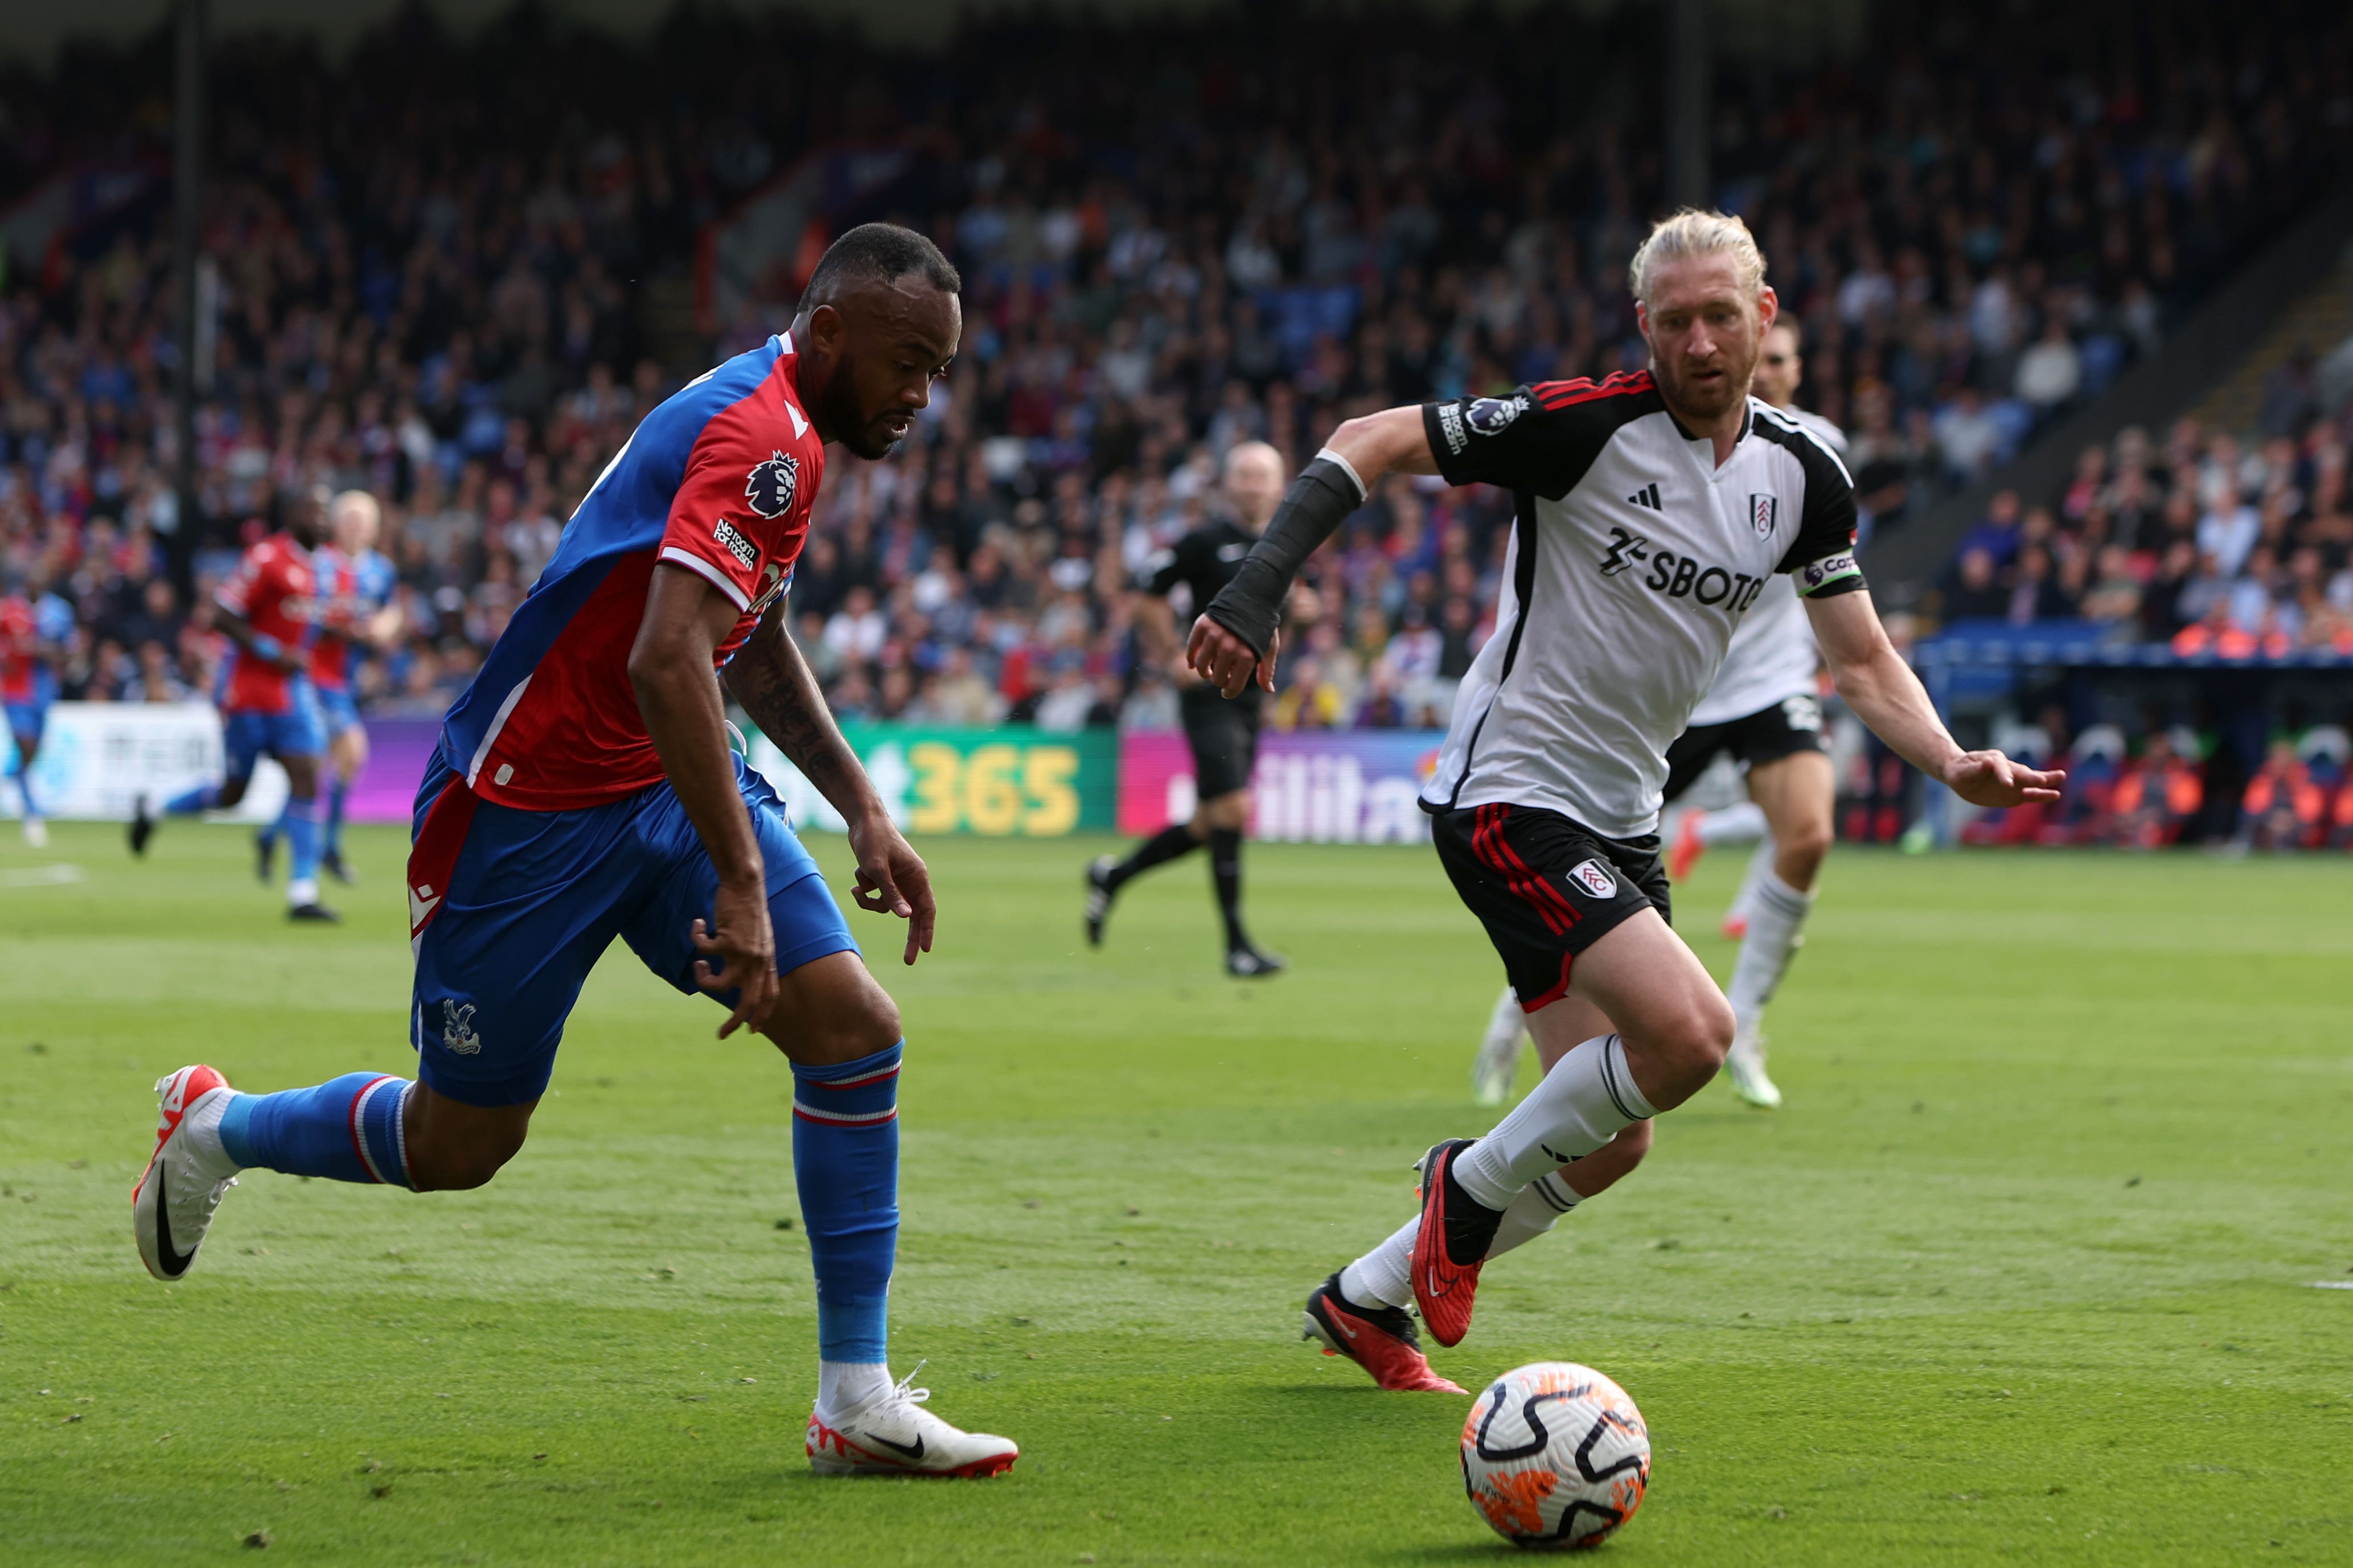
[[719, 479], [275, 589]]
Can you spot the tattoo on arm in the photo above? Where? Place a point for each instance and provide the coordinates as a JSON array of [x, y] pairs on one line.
[[773, 682]]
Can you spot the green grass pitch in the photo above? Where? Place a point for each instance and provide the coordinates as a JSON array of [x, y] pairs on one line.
[[2023, 1274]]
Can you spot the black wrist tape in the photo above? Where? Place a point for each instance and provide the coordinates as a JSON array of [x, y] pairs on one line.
[[1318, 502]]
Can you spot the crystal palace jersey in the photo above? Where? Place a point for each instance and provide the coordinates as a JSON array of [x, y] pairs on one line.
[[717, 480], [1772, 657], [351, 590], [1633, 557], [20, 650], [275, 591]]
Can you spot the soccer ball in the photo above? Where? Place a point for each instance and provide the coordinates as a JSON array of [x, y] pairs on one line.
[[1556, 1456]]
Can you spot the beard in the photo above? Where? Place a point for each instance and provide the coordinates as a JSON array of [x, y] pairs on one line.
[[1705, 400], [835, 404]]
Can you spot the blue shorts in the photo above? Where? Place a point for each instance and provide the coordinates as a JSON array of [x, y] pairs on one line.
[[338, 710], [528, 902], [28, 719], [247, 732]]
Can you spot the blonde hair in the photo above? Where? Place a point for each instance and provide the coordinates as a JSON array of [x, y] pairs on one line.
[[354, 500], [1690, 232]]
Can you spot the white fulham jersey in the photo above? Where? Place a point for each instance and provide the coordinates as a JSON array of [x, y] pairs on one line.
[[1772, 657], [1633, 557]]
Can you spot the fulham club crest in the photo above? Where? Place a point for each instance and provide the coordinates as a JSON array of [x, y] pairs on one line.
[[1763, 511], [769, 486], [1595, 878]]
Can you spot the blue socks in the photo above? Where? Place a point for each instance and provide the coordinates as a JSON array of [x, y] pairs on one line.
[[301, 821], [346, 1130], [339, 790], [846, 1164], [190, 802]]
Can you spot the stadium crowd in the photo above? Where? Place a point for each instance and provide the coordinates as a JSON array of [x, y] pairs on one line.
[[2205, 543], [431, 267]]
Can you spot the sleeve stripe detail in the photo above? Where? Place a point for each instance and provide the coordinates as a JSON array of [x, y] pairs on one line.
[[1554, 395], [1348, 469], [719, 579]]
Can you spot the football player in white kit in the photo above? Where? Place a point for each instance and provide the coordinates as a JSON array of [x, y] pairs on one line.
[[1652, 512], [1764, 711]]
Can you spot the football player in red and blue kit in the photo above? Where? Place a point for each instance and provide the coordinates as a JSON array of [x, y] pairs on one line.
[[356, 612], [32, 622], [269, 609], [583, 790]]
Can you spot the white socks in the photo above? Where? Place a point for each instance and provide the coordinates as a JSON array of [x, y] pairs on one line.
[[302, 890], [201, 1128], [1384, 1277], [844, 1385], [1504, 1025], [1741, 824], [1760, 866], [1777, 922], [1586, 1099]]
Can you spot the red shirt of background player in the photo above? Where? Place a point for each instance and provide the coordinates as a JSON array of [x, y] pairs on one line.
[[275, 590], [19, 645], [337, 616]]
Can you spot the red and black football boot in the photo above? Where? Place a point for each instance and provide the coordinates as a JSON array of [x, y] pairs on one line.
[[1456, 1231], [1381, 1340]]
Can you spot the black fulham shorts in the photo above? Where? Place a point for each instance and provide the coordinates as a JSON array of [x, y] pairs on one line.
[[1546, 887], [1792, 725], [1223, 733]]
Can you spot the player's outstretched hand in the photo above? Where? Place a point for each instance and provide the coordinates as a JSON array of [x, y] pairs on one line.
[[893, 880], [745, 948], [1992, 779], [1225, 661]]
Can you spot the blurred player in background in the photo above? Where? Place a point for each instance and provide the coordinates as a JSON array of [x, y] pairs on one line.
[[270, 610], [356, 614], [583, 790], [1764, 711], [1223, 735], [30, 633], [1651, 511]]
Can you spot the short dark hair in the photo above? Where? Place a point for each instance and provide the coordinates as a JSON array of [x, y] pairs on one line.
[[880, 253]]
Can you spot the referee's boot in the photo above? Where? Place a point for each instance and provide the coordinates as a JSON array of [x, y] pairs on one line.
[[1248, 960], [1100, 892]]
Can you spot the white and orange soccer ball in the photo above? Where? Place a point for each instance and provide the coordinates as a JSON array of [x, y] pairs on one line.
[[1554, 1455]]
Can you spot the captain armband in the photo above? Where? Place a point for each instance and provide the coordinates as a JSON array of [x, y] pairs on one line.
[[1829, 576]]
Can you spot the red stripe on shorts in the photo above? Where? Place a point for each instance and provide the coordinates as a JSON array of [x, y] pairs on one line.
[[433, 857]]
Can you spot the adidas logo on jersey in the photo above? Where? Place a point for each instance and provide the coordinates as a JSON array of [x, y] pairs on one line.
[[1647, 496]]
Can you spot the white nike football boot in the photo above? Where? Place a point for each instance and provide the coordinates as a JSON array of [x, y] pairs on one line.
[[1744, 1064], [893, 1434], [1498, 1061], [171, 1206]]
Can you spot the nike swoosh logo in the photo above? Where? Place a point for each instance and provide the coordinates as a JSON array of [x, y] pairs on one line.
[[174, 1263], [914, 1453]]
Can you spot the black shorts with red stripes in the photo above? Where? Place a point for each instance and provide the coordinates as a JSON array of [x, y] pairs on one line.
[[1546, 887]]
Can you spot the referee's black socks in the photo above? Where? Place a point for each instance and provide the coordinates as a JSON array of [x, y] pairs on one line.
[[1226, 868], [1174, 840]]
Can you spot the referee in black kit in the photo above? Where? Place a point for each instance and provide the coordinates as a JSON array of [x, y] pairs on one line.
[[1223, 732]]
